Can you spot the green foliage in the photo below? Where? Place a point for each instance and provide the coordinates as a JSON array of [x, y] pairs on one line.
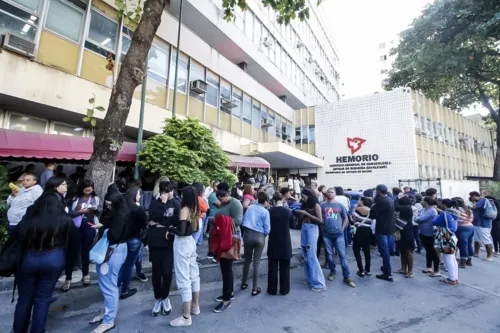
[[4, 193], [451, 53], [187, 152], [91, 110], [130, 11]]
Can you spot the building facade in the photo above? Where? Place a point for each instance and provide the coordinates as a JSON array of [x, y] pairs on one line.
[[257, 73], [398, 135]]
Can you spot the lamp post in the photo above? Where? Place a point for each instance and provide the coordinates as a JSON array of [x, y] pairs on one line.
[[177, 58], [141, 118]]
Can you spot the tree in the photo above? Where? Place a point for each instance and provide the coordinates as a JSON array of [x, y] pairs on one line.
[[109, 132], [186, 152], [452, 53]]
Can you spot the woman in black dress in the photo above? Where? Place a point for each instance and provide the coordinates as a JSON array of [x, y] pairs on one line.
[[279, 247], [406, 243]]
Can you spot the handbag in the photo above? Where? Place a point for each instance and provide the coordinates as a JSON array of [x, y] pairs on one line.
[[445, 241], [234, 251], [101, 252], [78, 220], [400, 223]]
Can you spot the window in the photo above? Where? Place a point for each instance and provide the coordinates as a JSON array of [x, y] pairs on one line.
[[298, 136], [19, 122], [247, 109], [249, 24], [239, 18], [102, 34], [212, 94], [383, 58], [68, 130], [381, 46], [33, 5], [126, 41], [16, 21], [278, 128], [64, 20], [384, 71], [312, 134], [271, 130], [238, 100], [225, 92], [182, 71], [197, 73], [304, 134], [158, 64], [264, 116], [289, 130], [255, 114]]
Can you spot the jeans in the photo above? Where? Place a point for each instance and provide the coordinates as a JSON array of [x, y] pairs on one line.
[[187, 272], [392, 245], [198, 235], [162, 263], [417, 238], [465, 236], [83, 238], [383, 248], [431, 254], [362, 241], [226, 267], [133, 250], [312, 269], [36, 281], [254, 245], [138, 262], [283, 267], [107, 274], [337, 242], [146, 198]]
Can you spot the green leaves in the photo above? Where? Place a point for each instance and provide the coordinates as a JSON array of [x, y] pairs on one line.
[[91, 110], [186, 151]]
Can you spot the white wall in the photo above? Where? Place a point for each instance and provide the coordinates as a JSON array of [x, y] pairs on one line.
[[385, 121]]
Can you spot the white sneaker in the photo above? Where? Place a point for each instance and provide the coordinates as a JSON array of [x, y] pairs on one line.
[[166, 307], [157, 308], [181, 322], [195, 310]]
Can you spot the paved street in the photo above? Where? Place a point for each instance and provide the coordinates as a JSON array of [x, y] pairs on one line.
[[422, 304]]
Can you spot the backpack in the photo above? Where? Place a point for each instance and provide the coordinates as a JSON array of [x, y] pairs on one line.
[[490, 210], [10, 257]]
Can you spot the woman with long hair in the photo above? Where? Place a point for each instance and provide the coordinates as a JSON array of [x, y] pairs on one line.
[[362, 237], [187, 274], [138, 223], [312, 219], [44, 238], [115, 219], [406, 242], [465, 233], [426, 231], [58, 186], [84, 209], [447, 220]]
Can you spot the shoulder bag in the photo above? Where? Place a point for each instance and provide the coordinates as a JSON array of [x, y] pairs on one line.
[[234, 251], [445, 241]]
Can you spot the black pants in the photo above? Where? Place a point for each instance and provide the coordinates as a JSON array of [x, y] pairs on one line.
[[162, 262], [495, 235], [226, 267], [283, 267], [417, 238], [362, 241], [83, 238], [431, 254]]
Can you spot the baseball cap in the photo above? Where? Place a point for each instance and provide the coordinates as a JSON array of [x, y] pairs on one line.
[[222, 189], [382, 188]]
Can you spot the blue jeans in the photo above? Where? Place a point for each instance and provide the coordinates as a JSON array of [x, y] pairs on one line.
[[383, 248], [36, 280], [337, 242], [198, 235], [107, 274], [138, 262], [465, 237], [146, 198], [392, 245], [133, 250], [312, 268]]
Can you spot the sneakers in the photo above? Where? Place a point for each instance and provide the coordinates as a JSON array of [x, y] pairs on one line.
[[129, 293], [350, 283], [368, 273], [142, 277], [317, 289], [157, 308], [385, 278], [219, 299], [103, 328], [181, 322], [222, 307], [210, 256], [166, 307], [66, 286], [360, 274], [331, 277], [195, 310], [305, 283]]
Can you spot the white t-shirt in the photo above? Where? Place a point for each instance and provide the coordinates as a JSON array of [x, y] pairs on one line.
[[296, 186], [343, 200], [290, 183]]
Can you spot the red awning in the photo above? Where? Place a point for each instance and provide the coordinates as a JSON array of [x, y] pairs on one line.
[[36, 145], [248, 162]]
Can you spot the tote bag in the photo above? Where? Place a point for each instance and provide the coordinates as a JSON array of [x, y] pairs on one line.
[[99, 252], [445, 241], [234, 252]]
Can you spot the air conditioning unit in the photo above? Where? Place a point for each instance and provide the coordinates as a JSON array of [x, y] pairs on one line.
[[462, 138], [266, 123], [267, 42], [318, 71], [418, 131], [19, 45], [310, 60], [227, 103], [198, 87], [300, 44]]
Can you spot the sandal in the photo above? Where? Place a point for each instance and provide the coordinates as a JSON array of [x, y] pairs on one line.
[[433, 274], [400, 272], [103, 328], [448, 281], [409, 276], [427, 271], [97, 319], [244, 286], [66, 286], [255, 292], [86, 280]]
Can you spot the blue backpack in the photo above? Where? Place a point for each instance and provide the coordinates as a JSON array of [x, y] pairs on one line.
[[490, 210]]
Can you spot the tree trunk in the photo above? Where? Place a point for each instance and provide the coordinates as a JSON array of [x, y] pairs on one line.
[[496, 166], [110, 130]]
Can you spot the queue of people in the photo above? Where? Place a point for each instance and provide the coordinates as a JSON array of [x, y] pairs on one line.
[[55, 229]]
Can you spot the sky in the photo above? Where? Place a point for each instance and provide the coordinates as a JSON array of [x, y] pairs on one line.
[[357, 28]]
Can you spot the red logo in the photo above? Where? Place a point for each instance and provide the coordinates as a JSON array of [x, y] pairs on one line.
[[354, 144]]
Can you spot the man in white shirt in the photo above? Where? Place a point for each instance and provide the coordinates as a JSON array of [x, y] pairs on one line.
[[296, 186], [20, 201]]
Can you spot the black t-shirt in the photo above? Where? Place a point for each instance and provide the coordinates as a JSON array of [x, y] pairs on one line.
[[383, 212]]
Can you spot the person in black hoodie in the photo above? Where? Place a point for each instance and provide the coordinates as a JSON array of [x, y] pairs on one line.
[[139, 222], [383, 212], [44, 238], [115, 221], [163, 213]]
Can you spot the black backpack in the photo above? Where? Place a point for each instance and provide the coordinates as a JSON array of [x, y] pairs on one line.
[[10, 258]]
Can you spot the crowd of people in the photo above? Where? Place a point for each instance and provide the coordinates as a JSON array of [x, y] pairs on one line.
[[56, 230]]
